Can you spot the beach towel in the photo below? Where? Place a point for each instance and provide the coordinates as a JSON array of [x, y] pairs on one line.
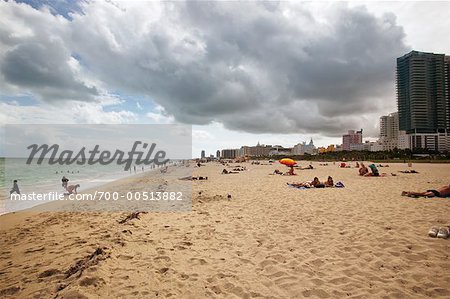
[[298, 187]]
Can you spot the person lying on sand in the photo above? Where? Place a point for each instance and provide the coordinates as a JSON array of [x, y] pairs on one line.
[[314, 183], [277, 171], [329, 182], [303, 184], [224, 171], [408, 171], [440, 192], [193, 178], [72, 189]]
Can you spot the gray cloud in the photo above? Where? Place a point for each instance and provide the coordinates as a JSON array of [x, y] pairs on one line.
[[43, 69], [255, 67]]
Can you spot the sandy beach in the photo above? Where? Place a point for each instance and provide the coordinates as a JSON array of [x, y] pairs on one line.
[[268, 241]]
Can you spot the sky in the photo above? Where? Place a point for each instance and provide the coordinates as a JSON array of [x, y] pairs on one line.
[[243, 72]]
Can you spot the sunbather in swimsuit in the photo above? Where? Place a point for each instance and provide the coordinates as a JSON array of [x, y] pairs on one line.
[[441, 192]]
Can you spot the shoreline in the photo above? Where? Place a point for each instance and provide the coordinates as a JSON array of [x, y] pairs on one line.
[[91, 187]]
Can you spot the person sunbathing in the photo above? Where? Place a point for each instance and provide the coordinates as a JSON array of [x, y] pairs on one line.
[[224, 171], [363, 170], [314, 182], [408, 171], [329, 182], [317, 184], [440, 192], [303, 184]]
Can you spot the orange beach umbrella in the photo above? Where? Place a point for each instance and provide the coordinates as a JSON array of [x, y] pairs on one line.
[[288, 162]]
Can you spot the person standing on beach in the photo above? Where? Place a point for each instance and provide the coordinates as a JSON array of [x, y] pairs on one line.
[[15, 188], [64, 181]]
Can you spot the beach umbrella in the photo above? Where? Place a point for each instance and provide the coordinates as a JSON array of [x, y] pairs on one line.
[[288, 162]]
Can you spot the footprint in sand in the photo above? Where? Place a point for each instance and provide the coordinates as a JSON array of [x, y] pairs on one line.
[[184, 276], [162, 258], [91, 281], [125, 257], [197, 261], [162, 270]]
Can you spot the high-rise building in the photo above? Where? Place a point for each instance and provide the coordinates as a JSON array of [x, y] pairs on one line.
[[203, 155], [423, 81], [389, 132], [351, 139], [389, 126], [260, 150], [218, 154], [229, 153], [421, 98]]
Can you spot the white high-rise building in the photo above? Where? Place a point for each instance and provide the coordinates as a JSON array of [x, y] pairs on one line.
[[389, 131]]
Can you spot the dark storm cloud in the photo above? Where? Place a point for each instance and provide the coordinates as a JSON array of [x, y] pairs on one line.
[[44, 70], [255, 67], [34, 56]]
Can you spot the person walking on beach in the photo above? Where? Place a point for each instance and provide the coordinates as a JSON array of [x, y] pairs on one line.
[[64, 181], [15, 188]]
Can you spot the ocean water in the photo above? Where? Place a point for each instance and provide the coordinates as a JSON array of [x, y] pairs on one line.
[[46, 178]]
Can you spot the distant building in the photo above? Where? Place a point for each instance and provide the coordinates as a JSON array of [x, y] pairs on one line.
[[229, 153], [351, 140], [256, 151], [403, 140], [389, 132], [203, 155], [331, 148], [423, 99], [303, 148], [375, 147], [389, 126], [280, 150], [356, 147], [218, 154]]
